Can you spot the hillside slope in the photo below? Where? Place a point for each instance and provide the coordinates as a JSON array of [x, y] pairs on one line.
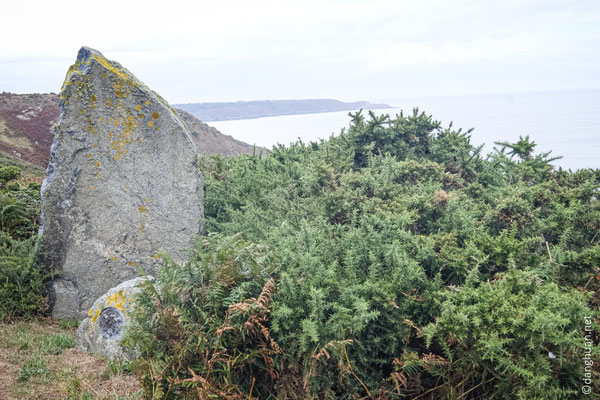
[[27, 123], [210, 141], [26, 126]]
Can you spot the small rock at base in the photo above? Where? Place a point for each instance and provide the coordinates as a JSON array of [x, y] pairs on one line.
[[102, 331]]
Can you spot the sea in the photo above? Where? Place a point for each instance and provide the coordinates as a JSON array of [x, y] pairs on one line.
[[567, 123]]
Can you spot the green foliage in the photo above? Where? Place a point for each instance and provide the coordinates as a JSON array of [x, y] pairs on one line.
[[34, 367], [22, 287], [117, 367], [207, 327], [68, 323], [21, 282], [401, 137], [18, 214], [56, 343], [8, 173], [377, 225], [391, 261], [516, 337]]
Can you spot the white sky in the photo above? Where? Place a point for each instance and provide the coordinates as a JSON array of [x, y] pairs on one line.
[[374, 50]]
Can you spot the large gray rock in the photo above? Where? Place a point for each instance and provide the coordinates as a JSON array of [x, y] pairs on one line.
[[108, 318], [122, 184]]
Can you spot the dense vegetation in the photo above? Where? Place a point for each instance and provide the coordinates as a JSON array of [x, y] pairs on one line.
[[21, 282], [391, 261]]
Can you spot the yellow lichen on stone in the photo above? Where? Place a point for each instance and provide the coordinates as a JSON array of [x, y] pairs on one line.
[[119, 90], [138, 107], [147, 102], [142, 209], [133, 263], [94, 315], [106, 64], [68, 82], [118, 300], [150, 124], [154, 115], [124, 138], [92, 101]]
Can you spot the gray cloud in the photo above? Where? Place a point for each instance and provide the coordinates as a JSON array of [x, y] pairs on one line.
[[380, 49]]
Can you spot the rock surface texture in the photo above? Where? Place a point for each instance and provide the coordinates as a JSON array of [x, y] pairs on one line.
[[122, 185], [102, 331]]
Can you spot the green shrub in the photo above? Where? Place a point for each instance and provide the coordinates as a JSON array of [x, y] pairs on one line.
[[377, 225], [22, 283], [8, 173], [207, 327], [517, 337], [391, 261], [19, 213]]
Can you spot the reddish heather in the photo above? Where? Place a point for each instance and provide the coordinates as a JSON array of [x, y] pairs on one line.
[[38, 115]]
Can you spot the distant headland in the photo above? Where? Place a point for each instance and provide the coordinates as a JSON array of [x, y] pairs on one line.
[[270, 108]]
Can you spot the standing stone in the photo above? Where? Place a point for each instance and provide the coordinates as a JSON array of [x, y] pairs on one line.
[[122, 185]]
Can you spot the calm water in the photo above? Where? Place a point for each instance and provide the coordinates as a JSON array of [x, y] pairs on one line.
[[568, 123]]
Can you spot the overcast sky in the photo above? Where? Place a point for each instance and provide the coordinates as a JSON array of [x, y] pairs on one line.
[[374, 50]]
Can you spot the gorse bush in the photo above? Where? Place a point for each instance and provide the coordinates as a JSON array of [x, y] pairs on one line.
[[22, 290], [21, 282], [393, 261], [517, 332], [8, 173]]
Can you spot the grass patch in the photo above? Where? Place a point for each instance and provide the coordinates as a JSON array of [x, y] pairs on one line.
[[117, 367], [68, 323], [38, 360], [27, 167], [56, 343], [35, 366]]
